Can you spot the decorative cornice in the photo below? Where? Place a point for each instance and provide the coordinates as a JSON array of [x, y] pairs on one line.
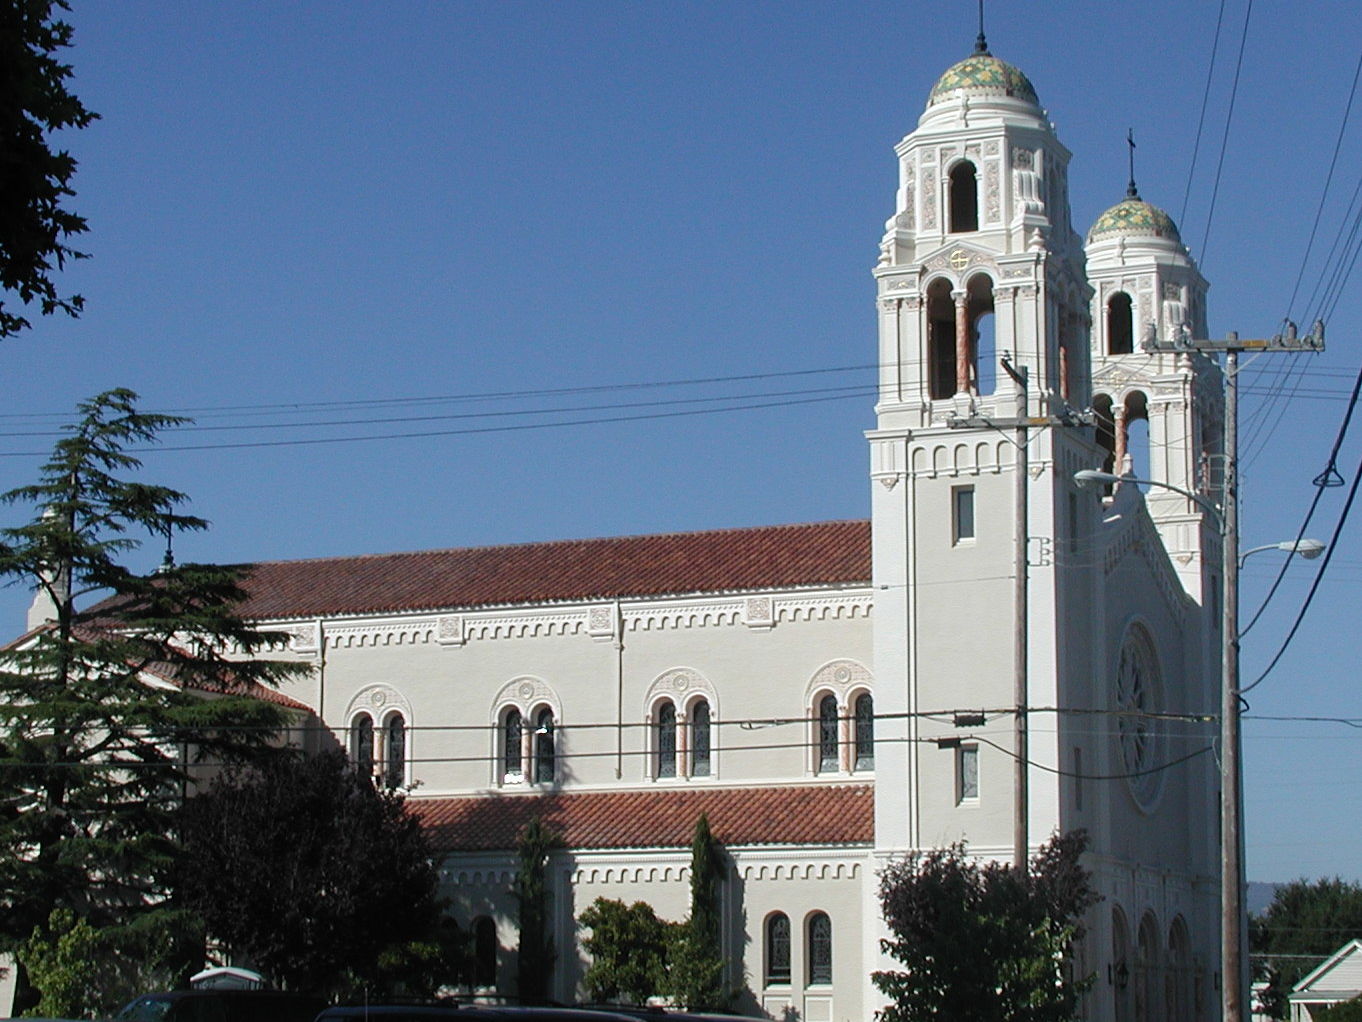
[[597, 621]]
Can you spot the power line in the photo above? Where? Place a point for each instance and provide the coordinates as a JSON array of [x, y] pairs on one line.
[[1201, 120], [1225, 138]]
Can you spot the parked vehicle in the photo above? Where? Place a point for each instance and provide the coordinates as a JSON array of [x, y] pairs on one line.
[[209, 1005], [464, 1012]]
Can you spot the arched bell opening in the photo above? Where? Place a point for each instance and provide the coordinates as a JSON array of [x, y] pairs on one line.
[[964, 198], [982, 367], [1120, 325], [1105, 426], [1135, 441], [940, 340]]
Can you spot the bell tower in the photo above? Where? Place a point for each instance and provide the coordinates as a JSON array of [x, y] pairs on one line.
[[980, 272], [1158, 415]]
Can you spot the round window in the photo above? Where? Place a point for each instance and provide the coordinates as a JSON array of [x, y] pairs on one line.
[[1137, 698]]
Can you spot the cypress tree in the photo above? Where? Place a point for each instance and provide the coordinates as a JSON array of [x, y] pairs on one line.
[[531, 889]]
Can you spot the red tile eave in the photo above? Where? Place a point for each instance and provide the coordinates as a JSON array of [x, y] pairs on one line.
[[729, 560], [829, 815], [164, 672]]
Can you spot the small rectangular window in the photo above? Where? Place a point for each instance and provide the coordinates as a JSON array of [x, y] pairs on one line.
[[967, 773], [962, 512]]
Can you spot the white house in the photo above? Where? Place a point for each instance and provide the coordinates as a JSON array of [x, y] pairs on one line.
[[1338, 979], [836, 694]]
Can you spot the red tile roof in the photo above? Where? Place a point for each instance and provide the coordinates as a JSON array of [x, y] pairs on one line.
[[169, 672], [663, 818], [690, 562]]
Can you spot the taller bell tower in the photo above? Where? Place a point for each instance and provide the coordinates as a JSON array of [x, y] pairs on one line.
[[1019, 619], [980, 270]]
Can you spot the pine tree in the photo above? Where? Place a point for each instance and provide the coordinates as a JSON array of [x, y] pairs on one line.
[[104, 722], [35, 180]]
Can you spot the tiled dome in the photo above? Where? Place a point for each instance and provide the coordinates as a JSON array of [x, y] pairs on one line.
[[983, 74], [1133, 217]]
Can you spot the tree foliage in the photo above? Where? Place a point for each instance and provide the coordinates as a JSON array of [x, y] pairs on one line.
[[979, 940], [629, 947], [1344, 1011], [85, 972], [103, 721], [536, 953], [698, 967], [1306, 918], [35, 179], [306, 869]]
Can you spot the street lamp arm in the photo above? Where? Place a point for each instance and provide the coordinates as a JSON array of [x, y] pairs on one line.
[[1307, 548], [1096, 477]]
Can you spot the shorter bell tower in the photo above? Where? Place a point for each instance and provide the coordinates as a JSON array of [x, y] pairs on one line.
[[1159, 415]]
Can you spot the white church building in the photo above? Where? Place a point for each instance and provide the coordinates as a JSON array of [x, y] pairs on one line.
[[833, 695]]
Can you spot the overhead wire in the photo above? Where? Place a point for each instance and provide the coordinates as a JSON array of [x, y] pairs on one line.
[[1314, 588], [1225, 137], [1205, 102]]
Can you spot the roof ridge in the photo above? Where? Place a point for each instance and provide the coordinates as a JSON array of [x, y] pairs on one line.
[[728, 530]]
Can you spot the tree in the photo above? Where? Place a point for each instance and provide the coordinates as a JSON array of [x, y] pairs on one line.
[[1344, 1011], [629, 947], [980, 940], [536, 953], [697, 973], [34, 101], [84, 972], [1305, 918], [307, 870], [103, 721]]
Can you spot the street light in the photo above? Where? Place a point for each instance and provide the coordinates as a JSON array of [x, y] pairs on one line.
[[1232, 930], [1089, 477], [1307, 548]]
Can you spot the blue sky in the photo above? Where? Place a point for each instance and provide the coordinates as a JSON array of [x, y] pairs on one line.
[[293, 204]]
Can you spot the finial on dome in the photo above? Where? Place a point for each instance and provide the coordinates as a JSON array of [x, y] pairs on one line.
[[1131, 191], [980, 43]]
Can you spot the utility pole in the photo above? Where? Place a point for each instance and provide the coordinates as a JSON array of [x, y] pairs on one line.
[[1234, 988], [1021, 786]]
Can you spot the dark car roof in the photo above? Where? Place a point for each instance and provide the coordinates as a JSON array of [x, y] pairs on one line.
[[470, 1012], [233, 1005]]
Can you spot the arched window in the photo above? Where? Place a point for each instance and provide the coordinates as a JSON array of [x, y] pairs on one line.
[[983, 342], [362, 744], [1120, 325], [777, 949], [1104, 421], [484, 952], [865, 732], [820, 948], [1135, 445], [964, 198], [827, 733], [543, 747], [940, 340], [395, 751], [699, 739], [1118, 972], [512, 728], [1178, 999], [666, 740], [1147, 979]]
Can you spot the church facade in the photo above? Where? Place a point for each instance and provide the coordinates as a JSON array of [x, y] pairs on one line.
[[995, 656]]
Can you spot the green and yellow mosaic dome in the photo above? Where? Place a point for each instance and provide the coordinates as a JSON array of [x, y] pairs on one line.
[[983, 74], [1133, 217]]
